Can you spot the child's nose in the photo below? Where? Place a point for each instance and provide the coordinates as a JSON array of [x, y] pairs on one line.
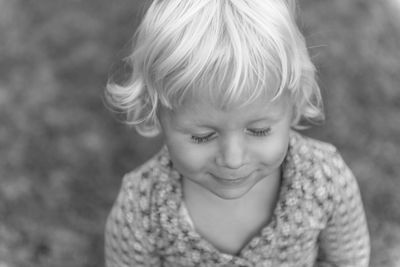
[[232, 152]]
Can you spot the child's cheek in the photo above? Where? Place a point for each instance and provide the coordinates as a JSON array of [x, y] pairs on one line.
[[273, 151], [190, 158]]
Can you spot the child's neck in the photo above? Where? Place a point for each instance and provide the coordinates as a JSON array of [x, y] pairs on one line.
[[265, 190], [229, 224]]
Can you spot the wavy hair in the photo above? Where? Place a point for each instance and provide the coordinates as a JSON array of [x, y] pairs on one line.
[[232, 51]]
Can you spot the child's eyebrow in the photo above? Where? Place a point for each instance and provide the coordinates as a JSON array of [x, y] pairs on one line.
[[268, 118], [190, 125], [187, 124]]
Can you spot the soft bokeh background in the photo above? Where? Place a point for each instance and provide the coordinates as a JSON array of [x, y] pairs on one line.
[[62, 153]]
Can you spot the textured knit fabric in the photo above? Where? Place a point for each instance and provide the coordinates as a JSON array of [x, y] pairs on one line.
[[318, 220]]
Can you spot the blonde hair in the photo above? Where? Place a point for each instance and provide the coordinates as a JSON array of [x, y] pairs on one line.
[[230, 50]]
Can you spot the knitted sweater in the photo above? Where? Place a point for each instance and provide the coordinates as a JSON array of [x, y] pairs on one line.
[[318, 219]]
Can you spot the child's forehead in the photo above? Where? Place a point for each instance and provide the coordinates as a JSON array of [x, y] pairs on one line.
[[195, 108], [226, 96]]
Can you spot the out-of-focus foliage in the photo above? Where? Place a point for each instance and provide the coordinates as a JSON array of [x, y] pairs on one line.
[[62, 153]]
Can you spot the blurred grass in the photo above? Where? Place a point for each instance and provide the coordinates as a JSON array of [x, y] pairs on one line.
[[62, 153]]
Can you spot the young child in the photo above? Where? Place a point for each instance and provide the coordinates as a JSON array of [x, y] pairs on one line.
[[225, 82]]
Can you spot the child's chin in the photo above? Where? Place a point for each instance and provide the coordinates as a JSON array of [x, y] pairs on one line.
[[231, 194]]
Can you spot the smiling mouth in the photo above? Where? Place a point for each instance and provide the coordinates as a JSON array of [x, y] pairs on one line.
[[231, 181]]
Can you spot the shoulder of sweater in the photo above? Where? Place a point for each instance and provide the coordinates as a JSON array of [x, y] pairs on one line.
[[320, 164], [324, 156], [310, 148], [150, 171]]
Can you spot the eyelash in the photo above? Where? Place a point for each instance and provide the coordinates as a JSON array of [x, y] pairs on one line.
[[206, 138], [202, 139], [260, 132]]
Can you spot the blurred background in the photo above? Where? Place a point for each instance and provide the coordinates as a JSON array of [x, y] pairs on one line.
[[62, 153]]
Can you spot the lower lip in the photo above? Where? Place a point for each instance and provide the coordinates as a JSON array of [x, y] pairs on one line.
[[237, 181]]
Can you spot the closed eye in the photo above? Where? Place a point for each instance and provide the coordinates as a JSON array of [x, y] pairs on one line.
[[259, 132], [199, 139]]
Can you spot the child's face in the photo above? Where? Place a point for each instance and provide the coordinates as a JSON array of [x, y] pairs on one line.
[[227, 152]]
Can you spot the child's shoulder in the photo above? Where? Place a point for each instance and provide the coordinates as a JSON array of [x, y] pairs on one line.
[[312, 155], [156, 169], [320, 165], [311, 148], [155, 181], [142, 191], [321, 161]]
